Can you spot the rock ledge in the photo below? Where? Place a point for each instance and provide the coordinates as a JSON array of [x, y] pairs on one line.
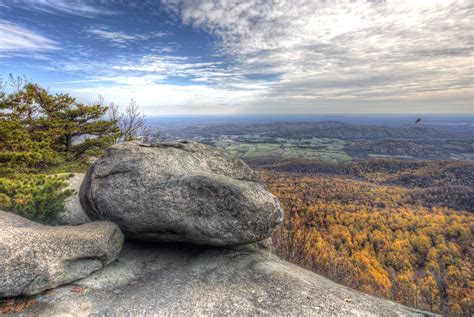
[[189, 280]]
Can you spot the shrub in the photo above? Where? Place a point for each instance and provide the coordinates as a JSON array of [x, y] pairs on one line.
[[37, 197]]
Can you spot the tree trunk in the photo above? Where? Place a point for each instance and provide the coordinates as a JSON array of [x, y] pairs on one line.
[[68, 144]]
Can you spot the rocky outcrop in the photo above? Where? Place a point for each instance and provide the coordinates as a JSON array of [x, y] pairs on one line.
[[180, 280], [35, 257], [179, 191], [73, 214]]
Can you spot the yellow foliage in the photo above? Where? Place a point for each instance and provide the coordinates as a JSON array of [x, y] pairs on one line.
[[368, 237]]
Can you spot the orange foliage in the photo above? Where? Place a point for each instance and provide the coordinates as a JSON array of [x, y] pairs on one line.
[[372, 238]]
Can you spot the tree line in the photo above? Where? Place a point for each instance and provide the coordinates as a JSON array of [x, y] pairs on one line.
[[448, 183]]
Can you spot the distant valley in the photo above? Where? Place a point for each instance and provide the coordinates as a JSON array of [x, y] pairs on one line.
[[334, 141]]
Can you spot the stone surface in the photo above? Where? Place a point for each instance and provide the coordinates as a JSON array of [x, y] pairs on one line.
[[179, 191], [169, 280], [34, 257], [73, 214]]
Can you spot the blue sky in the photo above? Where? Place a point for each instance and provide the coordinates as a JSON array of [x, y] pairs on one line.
[[245, 57]]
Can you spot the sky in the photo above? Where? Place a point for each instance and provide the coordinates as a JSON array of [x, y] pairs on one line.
[[247, 57]]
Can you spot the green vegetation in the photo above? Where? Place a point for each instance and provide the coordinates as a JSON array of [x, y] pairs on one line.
[[357, 141], [321, 149], [36, 197], [39, 130], [43, 134]]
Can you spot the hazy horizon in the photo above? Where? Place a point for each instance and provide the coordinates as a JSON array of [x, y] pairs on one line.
[[348, 114]]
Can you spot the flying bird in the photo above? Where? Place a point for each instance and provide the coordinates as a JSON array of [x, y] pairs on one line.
[[418, 121]]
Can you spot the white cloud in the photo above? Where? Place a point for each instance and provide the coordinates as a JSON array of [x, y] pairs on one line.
[[210, 88], [73, 7], [121, 38], [172, 99], [122, 80], [282, 56], [328, 52], [17, 39], [180, 66]]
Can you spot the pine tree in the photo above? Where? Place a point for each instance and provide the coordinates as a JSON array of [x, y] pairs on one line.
[[38, 128]]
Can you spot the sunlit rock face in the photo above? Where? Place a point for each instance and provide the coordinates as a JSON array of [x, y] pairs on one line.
[[34, 257], [182, 192], [152, 279]]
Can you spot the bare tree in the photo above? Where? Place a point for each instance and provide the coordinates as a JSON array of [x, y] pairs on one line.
[[14, 82], [132, 123], [113, 112], [17, 82]]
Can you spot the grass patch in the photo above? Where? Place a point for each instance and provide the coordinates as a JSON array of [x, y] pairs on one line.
[[310, 149]]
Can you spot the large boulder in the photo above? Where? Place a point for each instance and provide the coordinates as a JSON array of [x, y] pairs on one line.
[[179, 191], [182, 280], [34, 257]]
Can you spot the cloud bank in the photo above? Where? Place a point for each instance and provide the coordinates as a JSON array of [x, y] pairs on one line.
[[339, 52], [273, 56]]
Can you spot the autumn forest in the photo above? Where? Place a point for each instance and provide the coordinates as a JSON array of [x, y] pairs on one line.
[[388, 240]]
